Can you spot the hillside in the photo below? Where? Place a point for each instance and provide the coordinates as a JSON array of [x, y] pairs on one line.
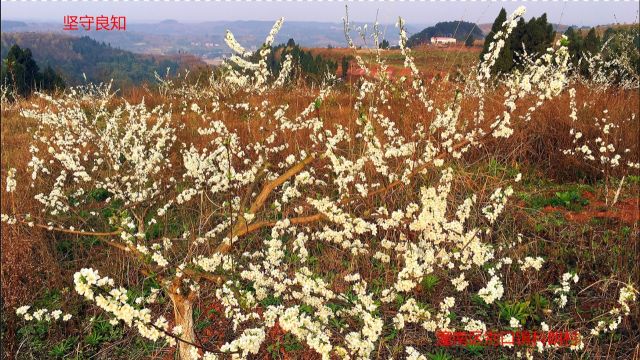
[[457, 29], [206, 39], [74, 56], [601, 29]]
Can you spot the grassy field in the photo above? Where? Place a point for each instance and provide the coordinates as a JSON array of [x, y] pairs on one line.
[[562, 211], [430, 60]]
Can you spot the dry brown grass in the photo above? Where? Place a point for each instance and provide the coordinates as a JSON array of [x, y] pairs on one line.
[[29, 264], [539, 142]]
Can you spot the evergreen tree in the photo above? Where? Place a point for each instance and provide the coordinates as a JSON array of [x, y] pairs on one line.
[[21, 70], [592, 42], [580, 47], [575, 43], [345, 66], [22, 75], [532, 37], [469, 41], [576, 47], [497, 26], [622, 44], [51, 80], [384, 44], [313, 68], [505, 61], [608, 34]]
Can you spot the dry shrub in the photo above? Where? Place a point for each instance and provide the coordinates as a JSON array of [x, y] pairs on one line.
[[539, 142]]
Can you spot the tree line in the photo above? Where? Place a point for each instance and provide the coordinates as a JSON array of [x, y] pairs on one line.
[[76, 60], [611, 45], [533, 37], [21, 75], [305, 65]]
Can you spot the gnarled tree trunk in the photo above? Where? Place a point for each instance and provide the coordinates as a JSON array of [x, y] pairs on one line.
[[183, 314]]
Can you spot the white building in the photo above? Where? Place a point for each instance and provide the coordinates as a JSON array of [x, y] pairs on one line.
[[443, 40]]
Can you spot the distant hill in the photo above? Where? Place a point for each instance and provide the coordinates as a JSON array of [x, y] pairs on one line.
[[600, 29], [74, 56], [456, 29], [206, 39], [8, 25]]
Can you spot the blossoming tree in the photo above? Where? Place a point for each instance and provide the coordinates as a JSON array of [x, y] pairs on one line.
[[241, 204]]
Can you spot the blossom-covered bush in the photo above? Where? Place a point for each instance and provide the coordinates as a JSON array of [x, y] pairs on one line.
[[225, 191]]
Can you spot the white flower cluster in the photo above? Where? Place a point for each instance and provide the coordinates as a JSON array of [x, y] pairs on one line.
[[247, 343], [498, 199], [627, 296], [613, 64], [115, 301], [243, 74], [565, 288], [498, 43], [604, 150], [492, 291], [42, 314], [129, 141], [531, 263], [11, 181]]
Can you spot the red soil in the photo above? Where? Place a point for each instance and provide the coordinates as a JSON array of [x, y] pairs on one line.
[[626, 211]]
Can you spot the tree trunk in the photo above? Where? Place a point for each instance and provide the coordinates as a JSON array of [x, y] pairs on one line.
[[183, 314]]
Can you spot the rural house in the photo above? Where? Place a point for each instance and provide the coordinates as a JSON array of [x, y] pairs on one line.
[[443, 40]]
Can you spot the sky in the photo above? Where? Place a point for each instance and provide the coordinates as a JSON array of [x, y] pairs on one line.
[[581, 13]]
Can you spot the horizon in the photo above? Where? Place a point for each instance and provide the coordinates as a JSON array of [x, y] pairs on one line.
[[566, 13], [187, 22]]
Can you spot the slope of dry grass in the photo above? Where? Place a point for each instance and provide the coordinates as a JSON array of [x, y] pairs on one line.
[[34, 263]]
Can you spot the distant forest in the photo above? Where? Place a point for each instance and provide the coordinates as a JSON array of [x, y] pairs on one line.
[[72, 57], [460, 30], [21, 75], [312, 68]]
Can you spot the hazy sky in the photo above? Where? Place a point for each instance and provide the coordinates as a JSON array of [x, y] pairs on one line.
[[566, 12]]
